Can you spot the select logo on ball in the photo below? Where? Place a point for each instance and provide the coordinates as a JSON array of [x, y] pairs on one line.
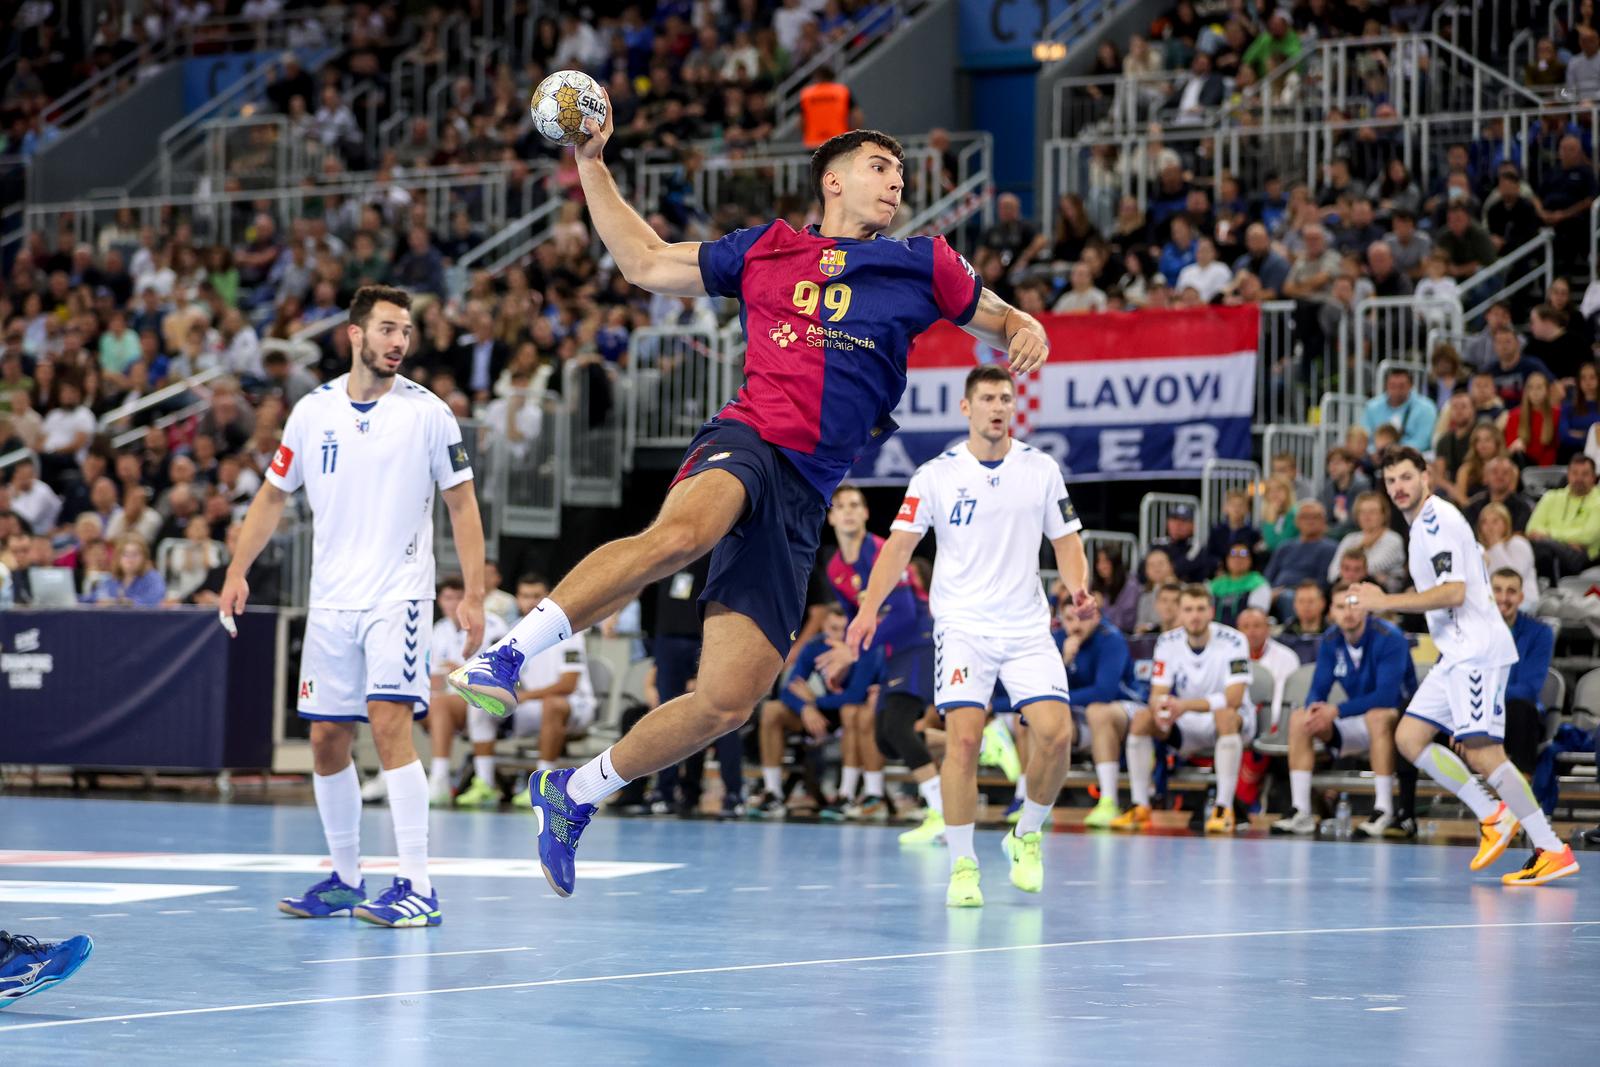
[[563, 102]]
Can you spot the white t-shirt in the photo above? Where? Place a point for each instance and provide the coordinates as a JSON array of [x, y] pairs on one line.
[[449, 642], [1191, 675], [1208, 280], [1443, 549], [61, 425], [546, 668], [369, 477], [988, 522]]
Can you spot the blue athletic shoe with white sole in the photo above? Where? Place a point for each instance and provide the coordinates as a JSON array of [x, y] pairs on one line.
[[328, 899], [488, 681], [29, 966], [561, 821], [401, 906]]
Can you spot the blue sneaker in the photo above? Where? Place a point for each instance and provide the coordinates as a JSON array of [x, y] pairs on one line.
[[328, 899], [560, 822], [1014, 811], [489, 680], [401, 905], [29, 966]]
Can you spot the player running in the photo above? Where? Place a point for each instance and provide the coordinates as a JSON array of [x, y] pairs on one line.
[[988, 501], [1464, 694], [369, 447], [905, 635], [829, 313], [29, 966]]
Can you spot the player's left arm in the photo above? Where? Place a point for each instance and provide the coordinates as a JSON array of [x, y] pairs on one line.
[[1451, 592], [999, 325], [466, 526]]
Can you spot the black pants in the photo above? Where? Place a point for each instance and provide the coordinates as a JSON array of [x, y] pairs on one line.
[[1557, 559], [677, 660], [1524, 731]]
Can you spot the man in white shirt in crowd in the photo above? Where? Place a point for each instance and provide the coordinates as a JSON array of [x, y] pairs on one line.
[[31, 499]]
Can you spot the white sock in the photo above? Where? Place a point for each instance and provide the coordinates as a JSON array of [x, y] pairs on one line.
[[544, 627], [1021, 790], [875, 786], [1141, 761], [408, 806], [439, 777], [932, 795], [339, 804], [483, 769], [1446, 768], [959, 838], [1513, 789], [1033, 817], [1300, 791], [849, 779], [595, 780], [1228, 755], [546, 765], [1106, 772], [772, 781], [1383, 788]]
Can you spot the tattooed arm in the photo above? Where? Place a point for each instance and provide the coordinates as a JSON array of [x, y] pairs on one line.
[[999, 325]]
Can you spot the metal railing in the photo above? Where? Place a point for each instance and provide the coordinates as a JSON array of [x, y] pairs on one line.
[[596, 402], [1337, 412], [1124, 546], [678, 377], [878, 22], [1307, 444], [1289, 376], [1395, 328], [528, 490], [507, 246], [1153, 511], [1218, 478], [1516, 270]]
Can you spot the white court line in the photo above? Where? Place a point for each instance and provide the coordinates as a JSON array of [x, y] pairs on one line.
[[883, 885], [37, 918], [808, 887], [1148, 881], [623, 893], [1353, 881], [752, 888], [784, 965], [1422, 878], [177, 911], [419, 955], [491, 898], [1216, 881], [686, 892], [109, 915], [1386, 1009]]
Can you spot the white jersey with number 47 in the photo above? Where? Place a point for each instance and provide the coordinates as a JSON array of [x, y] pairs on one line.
[[369, 473], [988, 518], [1443, 549]]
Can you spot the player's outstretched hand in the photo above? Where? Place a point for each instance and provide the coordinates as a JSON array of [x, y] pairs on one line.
[[1366, 595], [1027, 352], [835, 664], [598, 134], [1084, 605], [469, 616], [861, 631], [235, 592]]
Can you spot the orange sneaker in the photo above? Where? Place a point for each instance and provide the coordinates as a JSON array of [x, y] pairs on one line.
[[1494, 834], [1543, 866], [1221, 821], [1134, 819]]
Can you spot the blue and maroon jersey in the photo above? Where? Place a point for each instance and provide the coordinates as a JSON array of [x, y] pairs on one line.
[[904, 621], [828, 321]]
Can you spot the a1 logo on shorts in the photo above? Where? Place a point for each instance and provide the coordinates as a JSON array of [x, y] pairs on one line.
[[958, 676], [308, 690]]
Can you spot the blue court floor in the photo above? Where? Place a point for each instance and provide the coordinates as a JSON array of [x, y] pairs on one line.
[[785, 944]]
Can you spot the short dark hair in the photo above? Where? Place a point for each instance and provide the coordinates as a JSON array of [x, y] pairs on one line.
[[1507, 572], [1195, 591], [1395, 455], [1338, 587], [987, 372], [1310, 583], [848, 487], [452, 581], [1403, 213], [1399, 370], [534, 578], [368, 296], [1170, 587], [843, 145], [1551, 313], [1583, 457]]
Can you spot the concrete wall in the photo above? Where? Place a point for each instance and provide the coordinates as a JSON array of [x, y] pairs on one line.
[[113, 145], [911, 83]]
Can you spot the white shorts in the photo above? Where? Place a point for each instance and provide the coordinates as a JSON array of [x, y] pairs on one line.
[[351, 657], [1081, 737], [1197, 730], [528, 718], [1464, 700], [966, 666]]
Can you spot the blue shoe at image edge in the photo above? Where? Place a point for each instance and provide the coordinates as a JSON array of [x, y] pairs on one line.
[[29, 966], [330, 898], [489, 680], [401, 906], [561, 821]]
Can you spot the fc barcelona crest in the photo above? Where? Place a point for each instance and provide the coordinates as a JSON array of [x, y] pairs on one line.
[[832, 263]]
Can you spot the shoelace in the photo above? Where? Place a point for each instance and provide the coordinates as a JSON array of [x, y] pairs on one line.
[[21, 943], [396, 892], [503, 660]]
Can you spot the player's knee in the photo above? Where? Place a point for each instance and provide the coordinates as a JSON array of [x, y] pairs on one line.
[[560, 707], [1229, 721], [1099, 716], [1383, 719], [677, 541], [1297, 723], [772, 713], [1143, 723], [961, 746], [1053, 738]]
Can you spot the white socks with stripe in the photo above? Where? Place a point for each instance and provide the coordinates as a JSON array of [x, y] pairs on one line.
[[1033, 816], [1446, 768], [1513, 789], [339, 805], [408, 806], [1141, 761], [595, 780], [546, 626]]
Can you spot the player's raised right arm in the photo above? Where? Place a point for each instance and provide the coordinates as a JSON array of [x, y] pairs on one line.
[[259, 522], [643, 257]]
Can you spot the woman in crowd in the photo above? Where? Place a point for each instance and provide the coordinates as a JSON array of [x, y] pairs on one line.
[[1579, 412], [1486, 444], [134, 579], [1530, 430], [1277, 514], [1504, 547], [1120, 590], [1383, 548]]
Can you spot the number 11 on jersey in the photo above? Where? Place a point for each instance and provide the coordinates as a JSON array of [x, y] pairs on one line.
[[330, 456]]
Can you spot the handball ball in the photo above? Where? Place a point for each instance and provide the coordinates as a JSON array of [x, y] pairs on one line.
[[562, 102]]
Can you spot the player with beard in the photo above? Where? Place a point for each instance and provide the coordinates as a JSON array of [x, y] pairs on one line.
[[370, 447]]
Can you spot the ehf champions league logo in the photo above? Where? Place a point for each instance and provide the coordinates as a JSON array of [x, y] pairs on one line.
[[832, 262]]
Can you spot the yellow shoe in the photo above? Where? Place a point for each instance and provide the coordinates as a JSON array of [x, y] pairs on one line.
[[964, 891], [1103, 815], [1221, 821], [1027, 865], [1543, 866], [1494, 834], [1133, 820], [479, 794], [931, 832]]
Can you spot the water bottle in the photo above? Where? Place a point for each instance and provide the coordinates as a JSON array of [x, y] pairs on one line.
[[1341, 817]]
